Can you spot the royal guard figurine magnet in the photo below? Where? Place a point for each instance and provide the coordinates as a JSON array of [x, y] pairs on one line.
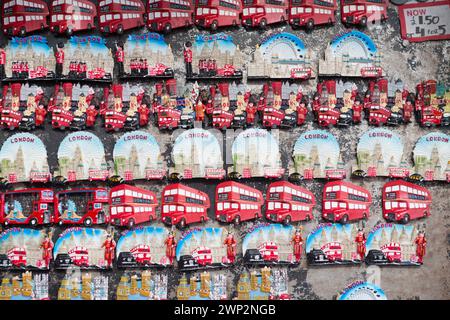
[[297, 242], [47, 249]]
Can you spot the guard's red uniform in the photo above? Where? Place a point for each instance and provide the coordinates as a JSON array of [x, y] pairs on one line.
[[110, 246], [407, 111], [171, 245], [199, 112], [143, 114], [40, 115], [231, 248], [302, 111], [421, 243], [91, 115], [59, 55], [187, 55], [120, 55], [357, 113], [2, 56], [361, 245], [47, 249], [251, 111], [297, 242]]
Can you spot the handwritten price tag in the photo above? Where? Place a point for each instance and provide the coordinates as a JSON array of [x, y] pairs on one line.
[[425, 21]]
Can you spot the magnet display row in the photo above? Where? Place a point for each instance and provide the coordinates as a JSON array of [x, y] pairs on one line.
[[198, 153], [253, 284], [116, 16]]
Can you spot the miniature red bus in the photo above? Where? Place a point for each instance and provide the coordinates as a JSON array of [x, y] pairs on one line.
[[212, 14], [269, 251], [69, 16], [354, 12], [333, 251], [403, 201], [141, 254], [182, 205], [203, 255], [168, 118], [79, 256], [116, 16], [131, 205], [309, 13], [165, 15], [286, 202], [87, 206], [427, 106], [18, 257], [260, 13], [344, 201], [392, 251], [27, 206], [23, 16], [236, 202]]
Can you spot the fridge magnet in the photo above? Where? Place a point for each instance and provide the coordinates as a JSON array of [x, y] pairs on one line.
[[309, 163], [302, 16], [260, 15], [267, 244], [335, 244], [24, 107], [29, 58], [163, 18], [127, 108], [23, 158], [81, 156], [131, 205], [85, 58], [344, 201], [255, 153], [431, 156], [67, 17], [86, 248], [222, 116], [388, 103], [398, 245], [117, 16], [281, 56], [337, 104], [24, 286], [380, 153], [182, 205], [82, 206], [282, 107], [73, 107], [360, 290], [404, 201], [17, 207], [25, 249], [197, 153], [169, 111], [432, 104], [22, 18], [212, 15], [143, 285], [83, 286], [351, 54], [202, 286], [137, 156], [236, 202], [145, 247], [145, 56], [201, 248], [360, 13], [267, 284], [213, 57], [287, 203]]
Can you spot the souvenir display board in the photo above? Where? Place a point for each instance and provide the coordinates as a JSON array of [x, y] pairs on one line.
[[361, 290], [29, 58]]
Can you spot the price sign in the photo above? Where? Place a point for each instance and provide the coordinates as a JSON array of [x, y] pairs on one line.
[[425, 21]]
